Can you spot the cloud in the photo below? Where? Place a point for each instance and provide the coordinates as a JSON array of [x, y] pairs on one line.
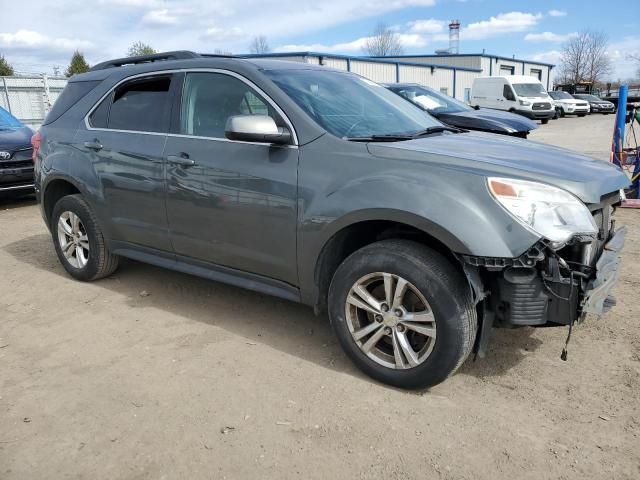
[[500, 24], [408, 40], [549, 37], [550, 56], [26, 40], [426, 26], [223, 35], [557, 13], [623, 66], [159, 18]]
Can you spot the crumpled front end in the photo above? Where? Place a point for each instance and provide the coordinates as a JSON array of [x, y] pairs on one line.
[[552, 287]]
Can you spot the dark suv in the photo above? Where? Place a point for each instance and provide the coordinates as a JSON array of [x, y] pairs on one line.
[[325, 188]]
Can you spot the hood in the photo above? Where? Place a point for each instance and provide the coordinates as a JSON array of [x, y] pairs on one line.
[[13, 138], [487, 119], [497, 155]]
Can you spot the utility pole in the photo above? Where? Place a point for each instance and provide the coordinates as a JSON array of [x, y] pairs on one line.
[[56, 71]]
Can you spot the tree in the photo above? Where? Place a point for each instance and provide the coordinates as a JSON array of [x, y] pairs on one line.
[[259, 44], [584, 57], [6, 70], [140, 48], [384, 42], [78, 64]]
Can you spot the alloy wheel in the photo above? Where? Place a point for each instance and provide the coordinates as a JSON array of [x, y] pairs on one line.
[[390, 320], [73, 239]]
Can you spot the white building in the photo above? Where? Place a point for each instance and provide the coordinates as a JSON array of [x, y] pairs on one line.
[[450, 74]]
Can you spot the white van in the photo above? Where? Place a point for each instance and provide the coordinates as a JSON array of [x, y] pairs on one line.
[[514, 93]]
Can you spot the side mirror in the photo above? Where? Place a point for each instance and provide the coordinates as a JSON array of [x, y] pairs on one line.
[[256, 128]]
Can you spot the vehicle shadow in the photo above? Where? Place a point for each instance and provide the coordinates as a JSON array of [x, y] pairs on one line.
[[10, 201], [286, 326]]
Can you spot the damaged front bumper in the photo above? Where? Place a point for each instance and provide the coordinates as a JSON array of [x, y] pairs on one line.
[[597, 299]]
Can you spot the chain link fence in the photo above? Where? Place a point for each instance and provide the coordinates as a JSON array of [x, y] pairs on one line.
[[29, 98]]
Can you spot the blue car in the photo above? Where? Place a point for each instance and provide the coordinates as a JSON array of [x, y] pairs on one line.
[[16, 165]]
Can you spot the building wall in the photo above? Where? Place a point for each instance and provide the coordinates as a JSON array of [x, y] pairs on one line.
[[376, 71], [452, 61]]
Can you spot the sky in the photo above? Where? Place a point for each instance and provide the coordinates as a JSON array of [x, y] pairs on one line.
[[35, 36]]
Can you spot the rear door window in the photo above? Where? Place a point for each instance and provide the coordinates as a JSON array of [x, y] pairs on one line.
[[141, 105]]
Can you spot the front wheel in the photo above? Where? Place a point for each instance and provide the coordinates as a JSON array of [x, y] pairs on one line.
[[544, 121], [78, 240], [403, 313], [582, 114]]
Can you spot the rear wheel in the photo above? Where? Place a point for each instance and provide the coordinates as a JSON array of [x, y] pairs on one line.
[[544, 121], [78, 240], [582, 114], [403, 313]]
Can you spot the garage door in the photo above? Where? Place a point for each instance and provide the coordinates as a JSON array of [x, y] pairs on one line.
[[506, 70]]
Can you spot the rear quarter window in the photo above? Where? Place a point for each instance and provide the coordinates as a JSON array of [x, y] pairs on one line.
[[72, 93]]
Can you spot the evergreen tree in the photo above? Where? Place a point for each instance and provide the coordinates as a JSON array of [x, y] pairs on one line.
[[6, 70], [78, 64]]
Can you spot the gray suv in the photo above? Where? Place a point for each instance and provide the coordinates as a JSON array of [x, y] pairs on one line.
[[322, 187]]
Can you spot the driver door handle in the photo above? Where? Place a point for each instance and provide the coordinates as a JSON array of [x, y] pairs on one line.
[[93, 145], [182, 160]]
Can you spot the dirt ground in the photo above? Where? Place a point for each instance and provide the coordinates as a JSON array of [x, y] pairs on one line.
[[153, 374]]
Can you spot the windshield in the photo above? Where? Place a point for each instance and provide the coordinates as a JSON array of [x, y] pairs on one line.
[[561, 96], [529, 90], [591, 98], [430, 100], [8, 121], [348, 106]]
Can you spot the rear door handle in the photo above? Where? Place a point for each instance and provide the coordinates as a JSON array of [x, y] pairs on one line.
[[182, 160], [94, 145]]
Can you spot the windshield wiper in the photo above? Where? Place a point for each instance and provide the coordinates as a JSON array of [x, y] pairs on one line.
[[437, 129], [380, 138]]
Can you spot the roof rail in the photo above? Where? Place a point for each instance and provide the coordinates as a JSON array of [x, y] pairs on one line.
[[154, 57]]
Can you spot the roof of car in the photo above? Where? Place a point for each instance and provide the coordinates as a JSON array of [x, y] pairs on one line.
[[185, 60]]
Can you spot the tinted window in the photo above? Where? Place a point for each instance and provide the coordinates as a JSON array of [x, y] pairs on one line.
[[100, 115], [350, 106], [508, 93], [209, 99], [141, 105], [71, 94]]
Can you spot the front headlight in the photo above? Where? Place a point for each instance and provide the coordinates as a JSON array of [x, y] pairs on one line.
[[526, 103], [548, 211]]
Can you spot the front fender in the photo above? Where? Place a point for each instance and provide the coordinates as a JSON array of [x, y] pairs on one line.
[[451, 205]]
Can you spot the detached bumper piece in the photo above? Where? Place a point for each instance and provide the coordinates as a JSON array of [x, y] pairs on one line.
[[597, 299]]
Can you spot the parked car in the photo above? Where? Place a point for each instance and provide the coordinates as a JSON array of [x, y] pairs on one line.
[[16, 165], [322, 187], [569, 105], [458, 114], [597, 104], [513, 93]]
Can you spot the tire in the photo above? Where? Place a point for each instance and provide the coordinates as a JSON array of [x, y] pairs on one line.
[[85, 264], [562, 114], [453, 321], [582, 114], [544, 121]]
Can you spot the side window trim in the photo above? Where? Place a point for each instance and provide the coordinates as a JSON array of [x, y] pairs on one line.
[[171, 130]]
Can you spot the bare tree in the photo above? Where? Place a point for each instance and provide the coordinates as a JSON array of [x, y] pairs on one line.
[[259, 44], [635, 57], [584, 57], [383, 42]]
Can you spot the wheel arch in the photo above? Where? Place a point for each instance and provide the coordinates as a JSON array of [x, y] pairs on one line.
[[56, 188], [360, 229]]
